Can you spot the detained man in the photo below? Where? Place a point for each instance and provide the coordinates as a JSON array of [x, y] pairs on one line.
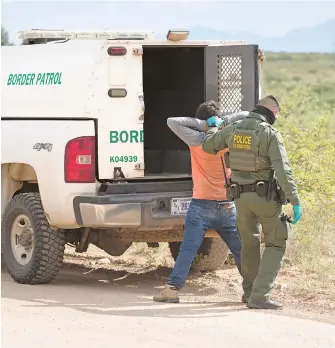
[[210, 208]]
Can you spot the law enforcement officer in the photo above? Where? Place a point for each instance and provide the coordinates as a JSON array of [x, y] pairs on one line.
[[256, 152]]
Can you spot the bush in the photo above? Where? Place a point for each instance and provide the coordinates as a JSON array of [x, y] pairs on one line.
[[311, 245], [307, 127]]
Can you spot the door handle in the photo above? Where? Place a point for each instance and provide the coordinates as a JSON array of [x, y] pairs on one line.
[[141, 99]]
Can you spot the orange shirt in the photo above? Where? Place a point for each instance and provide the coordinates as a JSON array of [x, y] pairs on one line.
[[207, 171], [207, 174]]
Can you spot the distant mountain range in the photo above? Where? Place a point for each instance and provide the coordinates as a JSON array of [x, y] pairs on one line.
[[316, 39]]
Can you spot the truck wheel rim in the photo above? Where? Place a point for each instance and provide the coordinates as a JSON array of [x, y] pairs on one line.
[[22, 239]]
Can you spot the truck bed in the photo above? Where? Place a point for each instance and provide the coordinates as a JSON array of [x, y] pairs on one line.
[[146, 186]]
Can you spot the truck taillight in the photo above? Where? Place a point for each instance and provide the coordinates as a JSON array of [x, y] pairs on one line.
[[79, 160]]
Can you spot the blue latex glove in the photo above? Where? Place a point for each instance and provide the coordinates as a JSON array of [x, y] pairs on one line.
[[215, 121], [297, 213]]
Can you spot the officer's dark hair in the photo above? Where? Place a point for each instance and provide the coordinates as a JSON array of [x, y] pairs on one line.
[[207, 109], [269, 99]]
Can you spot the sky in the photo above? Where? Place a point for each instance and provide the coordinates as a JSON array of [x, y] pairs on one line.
[[267, 18]]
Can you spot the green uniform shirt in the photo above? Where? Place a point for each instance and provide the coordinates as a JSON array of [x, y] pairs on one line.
[[271, 146]]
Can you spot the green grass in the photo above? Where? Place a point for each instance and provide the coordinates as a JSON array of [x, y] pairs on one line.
[[305, 86], [284, 72]]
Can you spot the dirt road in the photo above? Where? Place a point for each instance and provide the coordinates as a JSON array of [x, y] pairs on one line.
[[96, 309]]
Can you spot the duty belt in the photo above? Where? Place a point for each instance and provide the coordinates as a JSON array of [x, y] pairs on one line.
[[260, 187], [254, 187]]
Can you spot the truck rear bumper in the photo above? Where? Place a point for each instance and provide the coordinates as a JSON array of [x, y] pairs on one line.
[[142, 210]]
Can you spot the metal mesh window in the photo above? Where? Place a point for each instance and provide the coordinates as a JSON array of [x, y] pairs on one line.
[[230, 83]]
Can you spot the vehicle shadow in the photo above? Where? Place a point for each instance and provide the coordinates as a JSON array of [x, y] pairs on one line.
[[117, 293]]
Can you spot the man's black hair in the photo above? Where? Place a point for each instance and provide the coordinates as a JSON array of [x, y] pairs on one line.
[[207, 109]]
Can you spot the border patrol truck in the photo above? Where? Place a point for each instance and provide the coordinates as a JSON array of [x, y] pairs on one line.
[[86, 154]]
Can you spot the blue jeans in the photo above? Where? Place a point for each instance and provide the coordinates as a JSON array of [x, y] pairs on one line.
[[203, 215]]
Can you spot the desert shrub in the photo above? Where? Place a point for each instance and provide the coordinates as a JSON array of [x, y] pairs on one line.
[[312, 157], [307, 127]]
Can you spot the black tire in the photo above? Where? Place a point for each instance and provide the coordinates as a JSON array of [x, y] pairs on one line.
[[48, 246], [212, 253]]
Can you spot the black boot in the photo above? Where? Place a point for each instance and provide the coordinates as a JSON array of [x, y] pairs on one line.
[[264, 304]]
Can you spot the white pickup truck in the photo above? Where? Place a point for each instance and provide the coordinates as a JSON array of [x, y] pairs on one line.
[[86, 154]]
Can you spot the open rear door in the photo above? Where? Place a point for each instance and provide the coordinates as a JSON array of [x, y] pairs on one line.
[[120, 123], [232, 77]]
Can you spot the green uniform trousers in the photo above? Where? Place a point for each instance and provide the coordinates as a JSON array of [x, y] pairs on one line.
[[259, 273]]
